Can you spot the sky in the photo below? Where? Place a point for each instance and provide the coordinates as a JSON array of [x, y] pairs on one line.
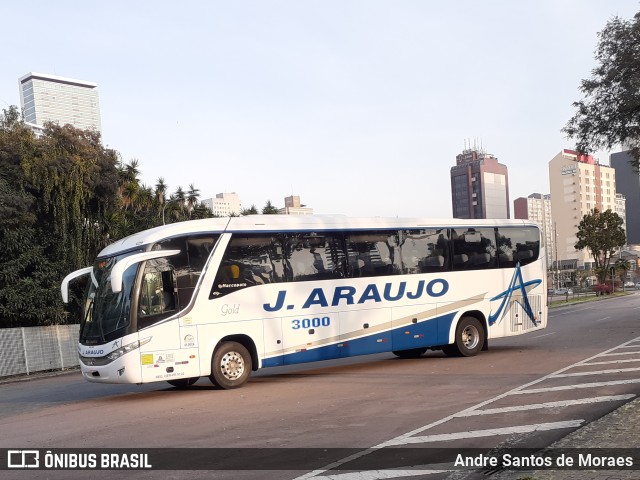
[[358, 106]]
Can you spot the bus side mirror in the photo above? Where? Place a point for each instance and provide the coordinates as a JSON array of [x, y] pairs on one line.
[[64, 287]]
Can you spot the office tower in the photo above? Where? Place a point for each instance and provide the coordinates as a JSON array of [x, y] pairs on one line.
[[49, 98], [224, 205], [628, 184], [537, 208], [621, 209], [578, 185], [292, 206], [479, 186]]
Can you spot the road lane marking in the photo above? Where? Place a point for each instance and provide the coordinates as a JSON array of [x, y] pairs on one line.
[[596, 372], [577, 386], [561, 403], [491, 432], [545, 335]]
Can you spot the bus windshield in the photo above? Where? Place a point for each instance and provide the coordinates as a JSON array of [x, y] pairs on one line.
[[105, 311]]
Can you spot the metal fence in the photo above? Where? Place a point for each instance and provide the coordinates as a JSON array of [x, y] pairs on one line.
[[36, 349]]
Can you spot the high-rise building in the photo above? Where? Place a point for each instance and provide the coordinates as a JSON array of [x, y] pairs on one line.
[[537, 208], [224, 204], [578, 185], [621, 210], [628, 184], [49, 98], [292, 206], [479, 186]]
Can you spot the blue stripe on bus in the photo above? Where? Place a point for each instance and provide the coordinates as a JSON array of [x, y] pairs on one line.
[[428, 333]]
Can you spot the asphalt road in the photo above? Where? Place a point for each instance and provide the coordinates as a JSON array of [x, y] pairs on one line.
[[526, 391]]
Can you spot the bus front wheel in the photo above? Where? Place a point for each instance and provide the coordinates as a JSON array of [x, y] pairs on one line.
[[230, 365], [469, 339]]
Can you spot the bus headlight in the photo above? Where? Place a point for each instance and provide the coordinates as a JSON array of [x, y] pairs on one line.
[[128, 348]]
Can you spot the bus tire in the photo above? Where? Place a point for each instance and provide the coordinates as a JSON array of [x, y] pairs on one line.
[[230, 365], [410, 353], [469, 339], [183, 382]]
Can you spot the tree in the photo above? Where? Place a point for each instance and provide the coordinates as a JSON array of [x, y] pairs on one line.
[[622, 267], [63, 198], [602, 234], [252, 210], [54, 193], [192, 196], [581, 277], [609, 114], [269, 209]]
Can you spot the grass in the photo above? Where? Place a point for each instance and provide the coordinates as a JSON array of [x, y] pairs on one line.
[[560, 300]]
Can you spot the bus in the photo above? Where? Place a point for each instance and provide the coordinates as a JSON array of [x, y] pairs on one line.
[[223, 297]]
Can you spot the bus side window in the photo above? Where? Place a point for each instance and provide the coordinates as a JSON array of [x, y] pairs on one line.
[[249, 260], [374, 253], [424, 251], [475, 249], [517, 245], [311, 256]]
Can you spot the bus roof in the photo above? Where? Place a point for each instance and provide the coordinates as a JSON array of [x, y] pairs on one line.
[[283, 223]]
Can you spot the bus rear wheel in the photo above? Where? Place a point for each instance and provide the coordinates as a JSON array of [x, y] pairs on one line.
[[469, 339], [183, 382], [411, 353], [230, 365]]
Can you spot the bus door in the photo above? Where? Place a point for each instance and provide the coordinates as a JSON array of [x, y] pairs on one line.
[[171, 352]]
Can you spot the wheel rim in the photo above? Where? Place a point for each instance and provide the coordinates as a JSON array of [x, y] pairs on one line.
[[470, 337], [232, 365]]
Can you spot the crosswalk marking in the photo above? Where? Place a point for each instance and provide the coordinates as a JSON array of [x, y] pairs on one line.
[[491, 432], [382, 474], [615, 354], [410, 437], [596, 372], [612, 362], [577, 386], [562, 403]]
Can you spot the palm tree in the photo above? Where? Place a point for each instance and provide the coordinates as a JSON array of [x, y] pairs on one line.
[[161, 191], [192, 197], [172, 212], [179, 197], [145, 199], [131, 170], [622, 267], [160, 198], [129, 194]]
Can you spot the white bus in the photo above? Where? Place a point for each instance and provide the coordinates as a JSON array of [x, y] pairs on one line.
[[222, 297]]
